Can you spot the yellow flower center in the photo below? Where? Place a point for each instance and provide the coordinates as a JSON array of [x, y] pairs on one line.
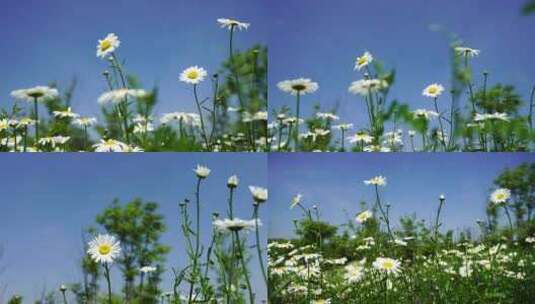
[[388, 265], [104, 249], [192, 74], [432, 90], [500, 196], [361, 60], [104, 45]]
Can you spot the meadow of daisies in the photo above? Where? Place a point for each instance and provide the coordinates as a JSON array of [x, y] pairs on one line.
[[124, 259], [233, 117], [469, 114], [372, 259]]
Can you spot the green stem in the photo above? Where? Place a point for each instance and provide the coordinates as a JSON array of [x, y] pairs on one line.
[[107, 275], [36, 110], [385, 216], [440, 124], [296, 136], [203, 130], [258, 248], [244, 266]]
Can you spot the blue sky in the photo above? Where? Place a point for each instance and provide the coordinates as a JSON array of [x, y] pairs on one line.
[[55, 40], [48, 199], [334, 182], [321, 39]]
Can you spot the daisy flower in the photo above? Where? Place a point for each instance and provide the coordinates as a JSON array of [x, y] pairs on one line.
[[361, 137], [260, 194], [104, 248], [378, 180], [327, 116], [231, 23], [192, 119], [364, 216], [147, 269], [364, 87], [262, 115], [85, 121], [466, 51], [202, 171], [65, 114], [363, 61], [433, 90], [296, 200], [344, 126], [425, 114], [107, 45], [120, 95], [500, 196], [38, 93], [233, 181], [387, 265], [193, 75], [235, 224], [299, 86], [354, 272], [111, 145]]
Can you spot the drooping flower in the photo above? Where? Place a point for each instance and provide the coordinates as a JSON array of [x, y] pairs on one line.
[[104, 248], [433, 90], [39, 93], [364, 216], [466, 51], [202, 171], [363, 61], [500, 196], [231, 23], [387, 265], [107, 45], [120, 95], [235, 224], [111, 145], [193, 75], [260, 195], [377, 180], [299, 86]]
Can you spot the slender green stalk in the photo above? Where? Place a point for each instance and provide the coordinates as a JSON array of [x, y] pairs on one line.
[[296, 135], [25, 138], [385, 216], [199, 109], [258, 248], [36, 110], [197, 238], [438, 217], [509, 218], [64, 297], [107, 276], [531, 101], [443, 141], [244, 266]]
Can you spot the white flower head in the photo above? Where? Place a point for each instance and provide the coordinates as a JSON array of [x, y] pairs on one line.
[[107, 45], [364, 216], [425, 114], [111, 145], [202, 171], [387, 265], [85, 121], [377, 180], [466, 51], [433, 90], [235, 224], [120, 95], [299, 86], [363, 61], [500, 196], [104, 248], [147, 269], [260, 195], [364, 87], [38, 93], [233, 181], [193, 75], [296, 200], [65, 114], [231, 23]]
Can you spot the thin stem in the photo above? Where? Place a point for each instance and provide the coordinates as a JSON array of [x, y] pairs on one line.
[[258, 248], [197, 236], [385, 216], [36, 110], [203, 130], [531, 101], [107, 275], [509, 218], [296, 134], [438, 218], [244, 266], [64, 297], [440, 123]]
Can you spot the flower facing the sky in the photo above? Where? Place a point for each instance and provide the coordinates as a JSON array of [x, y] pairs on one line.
[[192, 119], [433, 90], [104, 248], [361, 137], [85, 121], [193, 75], [363, 61], [364, 216], [387, 265], [378, 181], [107, 45], [38, 93], [233, 181], [466, 51], [500, 196], [364, 87], [120, 95], [296, 200], [202, 171], [231, 23], [111, 145], [65, 113], [425, 114], [299, 86], [235, 224], [260, 194]]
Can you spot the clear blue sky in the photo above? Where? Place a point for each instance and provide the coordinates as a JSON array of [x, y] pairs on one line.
[[48, 198], [321, 39], [415, 180], [55, 40]]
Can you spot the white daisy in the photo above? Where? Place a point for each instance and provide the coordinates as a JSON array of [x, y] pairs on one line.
[[377, 180], [466, 51], [38, 93], [235, 224], [299, 86], [192, 119], [327, 116], [387, 265], [85, 121], [65, 114], [202, 171], [111, 145], [107, 45], [363, 61], [104, 248], [260, 194], [425, 114], [433, 90], [354, 272], [147, 269], [296, 200], [231, 23], [500, 196], [361, 137], [193, 75], [364, 216], [364, 87], [344, 126], [120, 95], [233, 181]]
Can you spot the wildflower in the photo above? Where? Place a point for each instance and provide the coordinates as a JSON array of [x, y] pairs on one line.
[[4, 124], [147, 269], [376, 148], [466, 51], [54, 140], [354, 272], [363, 61], [433, 90], [377, 180], [364, 216], [108, 45], [327, 116], [262, 115], [412, 133], [299, 86], [425, 114], [497, 116], [500, 195], [321, 301], [110, 145], [192, 119], [343, 127], [260, 194], [104, 248], [233, 181], [387, 265], [85, 121], [120, 95], [235, 224], [364, 87], [193, 75], [63, 288], [296, 200], [530, 240], [65, 114], [38, 93], [25, 121], [202, 171], [361, 137], [230, 23], [141, 128]]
